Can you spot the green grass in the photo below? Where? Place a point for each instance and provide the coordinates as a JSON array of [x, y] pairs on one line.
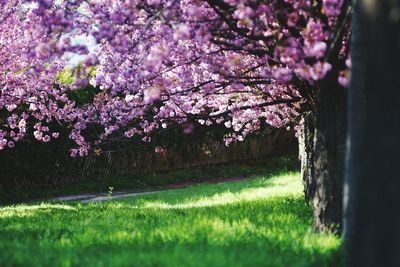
[[262, 221]]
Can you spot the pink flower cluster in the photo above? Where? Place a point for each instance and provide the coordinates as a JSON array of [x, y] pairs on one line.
[[239, 63]]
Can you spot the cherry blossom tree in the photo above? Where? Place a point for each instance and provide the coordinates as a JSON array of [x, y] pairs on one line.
[[28, 100], [237, 63]]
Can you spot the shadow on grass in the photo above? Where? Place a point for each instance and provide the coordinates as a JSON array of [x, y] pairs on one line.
[[151, 181]]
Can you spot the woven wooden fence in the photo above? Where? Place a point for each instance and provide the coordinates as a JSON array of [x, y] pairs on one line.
[[45, 166]]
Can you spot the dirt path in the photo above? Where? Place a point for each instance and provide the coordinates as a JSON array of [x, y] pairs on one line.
[[91, 198]]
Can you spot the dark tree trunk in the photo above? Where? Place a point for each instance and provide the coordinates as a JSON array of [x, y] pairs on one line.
[[322, 150], [329, 153], [372, 214]]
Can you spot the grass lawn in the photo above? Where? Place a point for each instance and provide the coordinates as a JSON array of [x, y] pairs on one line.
[[262, 221]]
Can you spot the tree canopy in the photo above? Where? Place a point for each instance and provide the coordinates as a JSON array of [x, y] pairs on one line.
[[157, 63]]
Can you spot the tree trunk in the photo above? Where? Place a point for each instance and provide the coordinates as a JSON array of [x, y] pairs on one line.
[[372, 214], [322, 150], [329, 152], [306, 149]]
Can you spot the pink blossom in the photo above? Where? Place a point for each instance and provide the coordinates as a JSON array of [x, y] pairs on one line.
[[159, 149], [181, 32], [38, 135], [46, 138], [152, 94], [10, 144]]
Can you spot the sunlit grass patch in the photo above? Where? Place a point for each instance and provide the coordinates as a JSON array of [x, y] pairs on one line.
[[262, 221], [30, 210]]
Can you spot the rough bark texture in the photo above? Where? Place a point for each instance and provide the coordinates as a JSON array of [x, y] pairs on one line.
[[329, 153], [372, 215], [306, 149], [322, 150]]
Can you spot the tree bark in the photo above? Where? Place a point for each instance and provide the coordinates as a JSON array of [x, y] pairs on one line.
[[329, 153], [322, 151], [306, 155], [372, 212]]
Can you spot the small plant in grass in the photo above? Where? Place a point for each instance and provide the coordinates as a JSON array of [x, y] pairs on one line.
[[110, 191]]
